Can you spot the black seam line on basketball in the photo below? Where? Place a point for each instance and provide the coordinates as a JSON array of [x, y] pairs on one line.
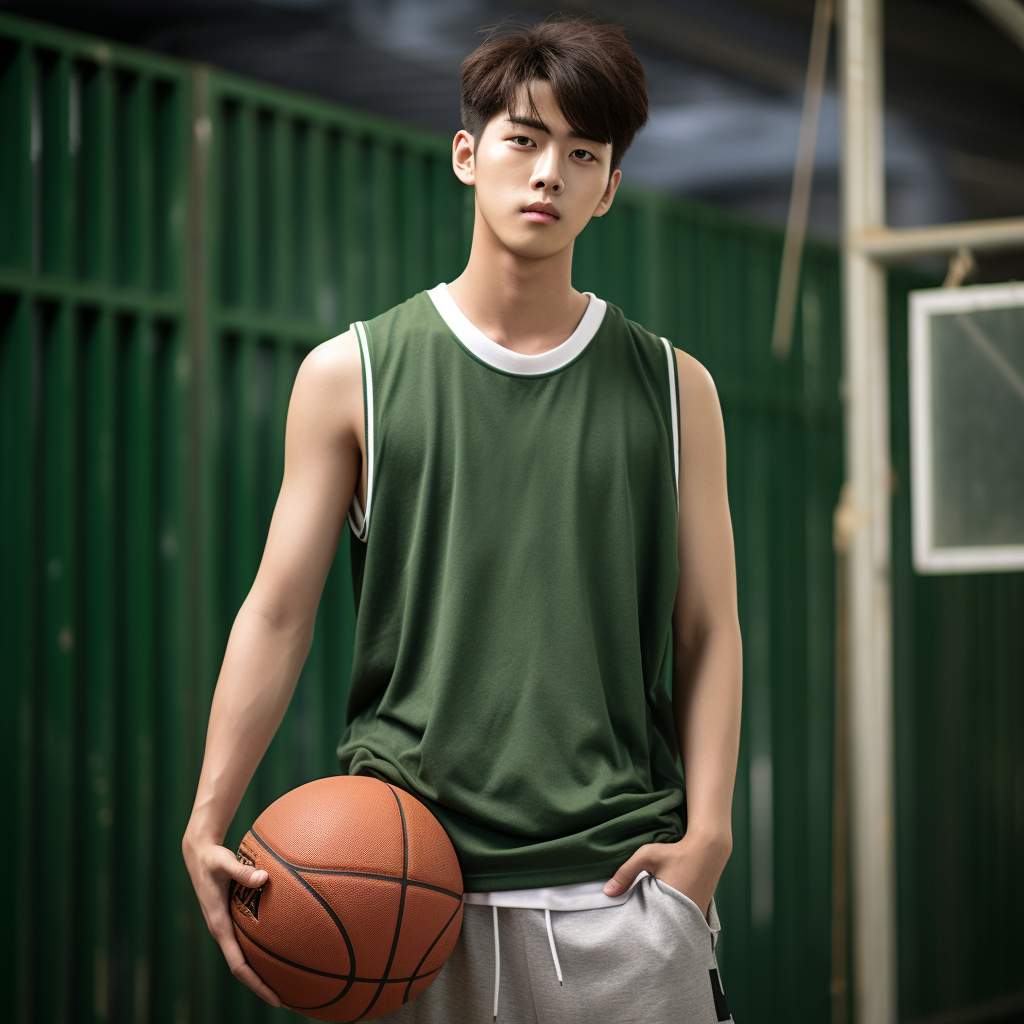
[[416, 969], [383, 878], [330, 910], [330, 974], [296, 1006], [401, 903], [364, 874]]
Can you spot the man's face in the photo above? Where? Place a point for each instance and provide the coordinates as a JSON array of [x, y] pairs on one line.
[[528, 160]]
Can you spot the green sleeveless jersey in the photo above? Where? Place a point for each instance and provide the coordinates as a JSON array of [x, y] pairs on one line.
[[515, 571]]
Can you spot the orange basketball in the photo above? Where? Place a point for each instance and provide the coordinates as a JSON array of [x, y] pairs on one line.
[[362, 903]]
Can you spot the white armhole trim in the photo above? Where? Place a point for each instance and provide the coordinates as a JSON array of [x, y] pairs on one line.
[[359, 519], [670, 354]]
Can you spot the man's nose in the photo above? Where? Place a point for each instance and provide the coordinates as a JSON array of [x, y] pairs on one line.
[[546, 171]]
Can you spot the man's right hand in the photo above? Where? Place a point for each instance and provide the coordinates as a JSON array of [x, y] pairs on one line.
[[212, 869]]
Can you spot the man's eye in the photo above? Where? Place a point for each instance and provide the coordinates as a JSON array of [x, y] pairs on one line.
[[521, 138], [585, 153]]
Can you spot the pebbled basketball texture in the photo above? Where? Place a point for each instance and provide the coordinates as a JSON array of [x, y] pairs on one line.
[[363, 899]]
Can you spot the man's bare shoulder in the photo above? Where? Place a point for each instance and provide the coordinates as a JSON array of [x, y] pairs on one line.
[[330, 382], [336, 361], [698, 396]]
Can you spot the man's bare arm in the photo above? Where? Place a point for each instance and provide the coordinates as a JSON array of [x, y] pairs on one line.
[[708, 663], [273, 630], [708, 668]]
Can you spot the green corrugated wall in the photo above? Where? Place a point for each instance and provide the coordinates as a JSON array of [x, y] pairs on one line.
[[173, 240]]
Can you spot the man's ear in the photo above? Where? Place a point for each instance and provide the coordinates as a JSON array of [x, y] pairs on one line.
[[462, 157], [609, 194]]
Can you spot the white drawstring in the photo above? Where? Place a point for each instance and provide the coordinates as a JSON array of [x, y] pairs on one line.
[[497, 963], [497, 955], [551, 940]]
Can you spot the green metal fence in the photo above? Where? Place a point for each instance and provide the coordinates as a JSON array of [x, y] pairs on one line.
[[93, 314], [173, 240]]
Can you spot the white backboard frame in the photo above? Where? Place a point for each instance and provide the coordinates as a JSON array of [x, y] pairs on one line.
[[924, 304]]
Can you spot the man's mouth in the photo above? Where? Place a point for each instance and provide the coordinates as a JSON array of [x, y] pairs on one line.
[[540, 213]]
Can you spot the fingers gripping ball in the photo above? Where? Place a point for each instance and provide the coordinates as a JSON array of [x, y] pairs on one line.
[[362, 903]]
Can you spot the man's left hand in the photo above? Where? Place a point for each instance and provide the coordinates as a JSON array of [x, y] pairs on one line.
[[692, 865]]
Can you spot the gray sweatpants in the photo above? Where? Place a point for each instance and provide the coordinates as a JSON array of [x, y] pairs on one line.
[[650, 960]]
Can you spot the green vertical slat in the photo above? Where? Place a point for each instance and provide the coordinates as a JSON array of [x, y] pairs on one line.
[[139, 580], [99, 665], [18, 625], [278, 167], [647, 251], [299, 216], [84, 213], [125, 193], [170, 203], [267, 233], [316, 228], [16, 153], [818, 491], [414, 189], [225, 206], [245, 253], [97, 169], [352, 234], [673, 237], [659, 262], [56, 706], [171, 705], [383, 238], [55, 177], [142, 169], [161, 120], [329, 302]]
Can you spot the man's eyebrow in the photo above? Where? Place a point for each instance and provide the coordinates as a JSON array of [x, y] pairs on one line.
[[529, 122]]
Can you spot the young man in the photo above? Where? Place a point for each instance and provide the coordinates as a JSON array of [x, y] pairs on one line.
[[537, 494]]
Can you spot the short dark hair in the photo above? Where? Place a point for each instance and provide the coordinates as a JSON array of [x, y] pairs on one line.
[[597, 79]]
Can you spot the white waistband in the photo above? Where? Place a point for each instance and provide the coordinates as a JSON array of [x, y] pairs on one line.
[[573, 896]]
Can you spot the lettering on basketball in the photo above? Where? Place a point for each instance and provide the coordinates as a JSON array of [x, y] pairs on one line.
[[249, 899]]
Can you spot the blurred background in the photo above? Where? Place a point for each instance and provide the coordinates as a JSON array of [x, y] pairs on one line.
[[193, 195], [725, 79]]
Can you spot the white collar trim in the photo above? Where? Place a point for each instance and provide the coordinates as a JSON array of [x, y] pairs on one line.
[[517, 362]]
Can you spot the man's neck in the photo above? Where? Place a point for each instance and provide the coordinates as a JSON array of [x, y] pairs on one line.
[[526, 304]]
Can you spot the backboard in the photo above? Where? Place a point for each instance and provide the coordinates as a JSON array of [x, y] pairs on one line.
[[967, 428]]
